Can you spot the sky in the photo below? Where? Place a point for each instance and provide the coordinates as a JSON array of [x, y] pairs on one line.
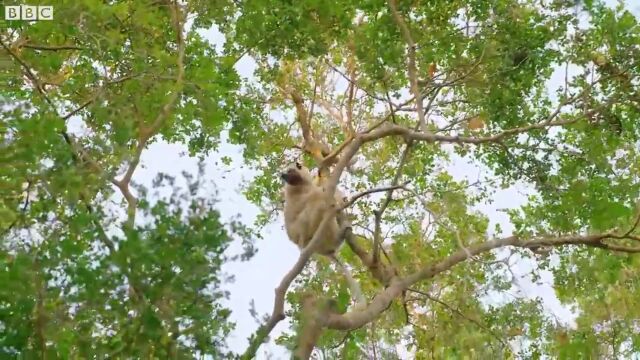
[[256, 279]]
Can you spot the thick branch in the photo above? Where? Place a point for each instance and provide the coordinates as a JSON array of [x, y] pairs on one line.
[[313, 311], [380, 271], [333, 155], [302, 116], [311, 145], [412, 135], [356, 319], [277, 314]]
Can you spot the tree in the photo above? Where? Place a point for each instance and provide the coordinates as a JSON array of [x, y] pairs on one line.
[[381, 98], [385, 96], [91, 263]]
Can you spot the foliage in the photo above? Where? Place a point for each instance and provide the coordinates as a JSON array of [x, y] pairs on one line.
[[83, 96], [540, 95], [545, 97]]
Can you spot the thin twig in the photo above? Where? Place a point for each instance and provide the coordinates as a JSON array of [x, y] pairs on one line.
[[353, 82], [29, 73], [377, 240], [412, 71], [462, 315], [372, 191], [51, 47], [22, 210]]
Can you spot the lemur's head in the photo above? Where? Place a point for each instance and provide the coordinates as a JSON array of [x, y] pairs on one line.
[[297, 175]]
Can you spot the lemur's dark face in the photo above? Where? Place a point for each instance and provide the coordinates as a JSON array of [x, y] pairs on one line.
[[293, 176]]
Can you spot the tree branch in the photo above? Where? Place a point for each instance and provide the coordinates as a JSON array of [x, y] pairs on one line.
[[51, 47], [313, 311], [146, 133], [377, 237], [388, 129], [311, 145], [353, 82], [77, 153], [412, 71], [277, 314], [356, 319], [380, 271], [462, 315], [30, 75], [371, 191], [96, 95]]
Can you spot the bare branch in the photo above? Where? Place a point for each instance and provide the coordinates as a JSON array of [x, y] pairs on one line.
[[331, 158], [386, 130], [408, 134], [311, 145], [350, 100], [353, 82], [372, 191], [633, 227]]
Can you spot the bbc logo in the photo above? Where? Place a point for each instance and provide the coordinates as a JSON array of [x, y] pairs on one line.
[[27, 12]]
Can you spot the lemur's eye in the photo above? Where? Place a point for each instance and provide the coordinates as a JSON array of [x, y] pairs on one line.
[[298, 165]]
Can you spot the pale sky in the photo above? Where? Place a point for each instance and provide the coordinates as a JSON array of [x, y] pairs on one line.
[[257, 278]]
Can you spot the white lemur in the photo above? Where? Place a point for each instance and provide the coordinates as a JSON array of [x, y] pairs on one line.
[[305, 205]]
